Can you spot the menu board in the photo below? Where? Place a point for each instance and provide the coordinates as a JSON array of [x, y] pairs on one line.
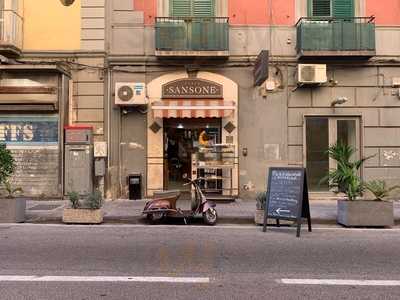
[[287, 196]]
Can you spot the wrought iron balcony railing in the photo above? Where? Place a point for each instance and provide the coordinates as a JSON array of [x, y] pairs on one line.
[[334, 36], [192, 34]]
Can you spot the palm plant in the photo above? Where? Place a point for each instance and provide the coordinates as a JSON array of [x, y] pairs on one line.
[[379, 189], [345, 177]]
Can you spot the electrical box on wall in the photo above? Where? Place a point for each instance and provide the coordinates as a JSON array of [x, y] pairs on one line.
[[130, 93], [311, 74]]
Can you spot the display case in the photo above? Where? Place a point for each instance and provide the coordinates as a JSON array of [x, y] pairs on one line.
[[214, 164]]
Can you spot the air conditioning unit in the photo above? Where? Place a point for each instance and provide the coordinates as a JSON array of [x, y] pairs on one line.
[[311, 74], [130, 93]]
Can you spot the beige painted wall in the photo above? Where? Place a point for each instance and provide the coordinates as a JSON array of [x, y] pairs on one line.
[[45, 21]]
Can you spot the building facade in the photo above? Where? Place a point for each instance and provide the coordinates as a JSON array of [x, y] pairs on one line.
[[52, 59], [154, 77], [283, 122]]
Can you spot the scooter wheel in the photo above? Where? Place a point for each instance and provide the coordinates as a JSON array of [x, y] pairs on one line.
[[210, 217], [155, 218]]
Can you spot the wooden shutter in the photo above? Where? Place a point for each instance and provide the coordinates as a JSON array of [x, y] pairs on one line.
[[203, 8], [343, 8], [180, 8], [319, 8]]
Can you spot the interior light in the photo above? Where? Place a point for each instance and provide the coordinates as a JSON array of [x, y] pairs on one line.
[[180, 126]]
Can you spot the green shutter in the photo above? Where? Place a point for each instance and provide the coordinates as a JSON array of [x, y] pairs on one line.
[[203, 8], [180, 8], [343, 8], [319, 8]]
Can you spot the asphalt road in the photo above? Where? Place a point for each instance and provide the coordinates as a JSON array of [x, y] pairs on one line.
[[236, 262]]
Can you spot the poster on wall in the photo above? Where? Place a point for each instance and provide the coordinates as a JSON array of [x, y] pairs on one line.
[[29, 130]]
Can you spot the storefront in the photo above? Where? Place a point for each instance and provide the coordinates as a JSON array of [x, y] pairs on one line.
[[31, 115], [188, 113]]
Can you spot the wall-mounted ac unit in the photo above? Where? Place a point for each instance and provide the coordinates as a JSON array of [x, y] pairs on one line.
[[311, 74], [130, 93]]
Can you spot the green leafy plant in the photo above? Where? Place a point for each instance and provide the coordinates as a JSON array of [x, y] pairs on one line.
[[74, 199], [379, 189], [345, 177], [261, 198], [11, 191], [7, 164], [95, 200]]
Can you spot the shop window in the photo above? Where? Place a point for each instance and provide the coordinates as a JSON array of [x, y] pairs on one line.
[[192, 8], [331, 8], [320, 133]]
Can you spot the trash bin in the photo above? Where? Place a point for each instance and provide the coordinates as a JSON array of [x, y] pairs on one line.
[[135, 186]]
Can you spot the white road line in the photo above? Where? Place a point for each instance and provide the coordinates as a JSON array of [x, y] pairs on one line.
[[105, 279], [225, 226], [340, 282]]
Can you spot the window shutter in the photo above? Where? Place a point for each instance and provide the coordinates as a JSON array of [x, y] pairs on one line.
[[343, 8], [319, 8], [180, 8], [203, 8]]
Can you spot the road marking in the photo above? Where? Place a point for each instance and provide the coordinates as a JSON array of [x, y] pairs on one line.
[[341, 282], [225, 226], [105, 279]]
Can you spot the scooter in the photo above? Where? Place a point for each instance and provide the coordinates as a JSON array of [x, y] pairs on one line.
[[164, 205]]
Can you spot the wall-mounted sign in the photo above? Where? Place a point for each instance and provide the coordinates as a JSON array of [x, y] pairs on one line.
[[260, 71], [192, 88], [28, 129]]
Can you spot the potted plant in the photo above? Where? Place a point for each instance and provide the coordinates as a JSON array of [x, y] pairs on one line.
[[261, 198], [12, 208], [89, 212], [355, 211]]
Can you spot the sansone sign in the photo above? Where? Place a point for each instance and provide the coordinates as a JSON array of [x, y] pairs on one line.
[[192, 88]]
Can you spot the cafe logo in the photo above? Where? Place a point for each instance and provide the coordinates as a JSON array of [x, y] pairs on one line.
[[192, 88]]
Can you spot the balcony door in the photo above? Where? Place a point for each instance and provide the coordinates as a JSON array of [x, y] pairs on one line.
[[192, 8], [320, 132]]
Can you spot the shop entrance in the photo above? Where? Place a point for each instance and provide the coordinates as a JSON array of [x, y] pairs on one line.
[[181, 139]]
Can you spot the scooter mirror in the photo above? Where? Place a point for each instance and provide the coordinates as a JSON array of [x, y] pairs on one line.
[[184, 176]]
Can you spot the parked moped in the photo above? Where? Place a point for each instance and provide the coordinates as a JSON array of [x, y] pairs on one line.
[[164, 205]]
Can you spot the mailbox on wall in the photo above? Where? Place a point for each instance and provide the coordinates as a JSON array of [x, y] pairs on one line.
[[78, 170]]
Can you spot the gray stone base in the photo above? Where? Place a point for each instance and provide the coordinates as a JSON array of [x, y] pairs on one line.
[[259, 217], [365, 213], [12, 210], [82, 216]]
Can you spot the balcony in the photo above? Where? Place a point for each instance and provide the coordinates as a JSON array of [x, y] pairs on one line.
[[192, 36], [333, 37], [11, 24]]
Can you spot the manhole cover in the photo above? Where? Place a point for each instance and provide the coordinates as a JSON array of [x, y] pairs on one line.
[[45, 207]]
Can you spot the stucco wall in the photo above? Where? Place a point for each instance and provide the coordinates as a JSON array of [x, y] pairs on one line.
[[47, 21], [387, 12]]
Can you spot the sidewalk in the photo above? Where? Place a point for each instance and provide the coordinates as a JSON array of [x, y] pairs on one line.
[[130, 211]]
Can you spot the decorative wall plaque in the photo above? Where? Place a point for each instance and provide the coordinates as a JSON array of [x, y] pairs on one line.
[[192, 88]]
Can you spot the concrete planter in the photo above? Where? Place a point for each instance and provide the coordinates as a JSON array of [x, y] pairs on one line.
[[12, 210], [259, 217], [82, 216], [365, 213]]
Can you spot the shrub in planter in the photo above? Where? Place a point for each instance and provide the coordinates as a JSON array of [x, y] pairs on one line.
[[12, 208], [261, 199], [350, 211], [90, 213]]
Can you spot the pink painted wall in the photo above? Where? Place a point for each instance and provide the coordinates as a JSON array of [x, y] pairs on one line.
[[258, 12], [387, 12], [149, 7]]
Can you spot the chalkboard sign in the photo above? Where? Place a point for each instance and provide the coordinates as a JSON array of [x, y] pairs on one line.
[[287, 196]]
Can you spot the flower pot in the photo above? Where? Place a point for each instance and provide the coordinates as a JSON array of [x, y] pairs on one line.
[[82, 216], [365, 213], [12, 210]]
